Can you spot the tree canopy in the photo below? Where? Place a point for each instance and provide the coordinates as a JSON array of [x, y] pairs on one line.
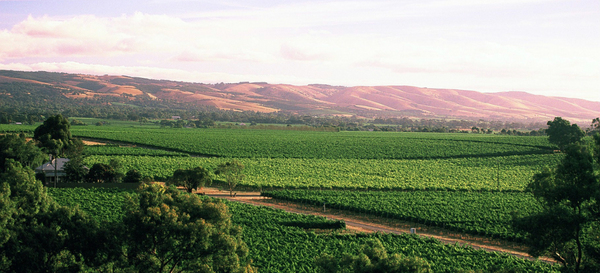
[[163, 230], [562, 133], [570, 195], [232, 171], [16, 147], [36, 234], [102, 173], [167, 229], [191, 179], [54, 137], [75, 171]]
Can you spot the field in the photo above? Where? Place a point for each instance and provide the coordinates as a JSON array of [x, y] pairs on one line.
[[327, 145], [477, 213], [468, 183], [278, 246], [499, 173]]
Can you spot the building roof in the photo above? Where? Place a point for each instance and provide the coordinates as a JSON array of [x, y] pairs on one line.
[[49, 166]]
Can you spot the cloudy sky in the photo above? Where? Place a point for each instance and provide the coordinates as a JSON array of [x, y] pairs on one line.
[[549, 47]]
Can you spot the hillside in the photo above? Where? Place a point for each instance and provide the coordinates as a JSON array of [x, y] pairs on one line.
[[316, 99]]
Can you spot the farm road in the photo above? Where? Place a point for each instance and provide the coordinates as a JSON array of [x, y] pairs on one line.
[[354, 223]]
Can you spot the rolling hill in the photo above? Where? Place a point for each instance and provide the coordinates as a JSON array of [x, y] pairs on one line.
[[316, 99]]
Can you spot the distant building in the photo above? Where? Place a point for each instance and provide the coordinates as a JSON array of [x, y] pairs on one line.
[[49, 168]]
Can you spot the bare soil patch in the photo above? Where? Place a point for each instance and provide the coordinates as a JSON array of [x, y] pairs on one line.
[[90, 142]]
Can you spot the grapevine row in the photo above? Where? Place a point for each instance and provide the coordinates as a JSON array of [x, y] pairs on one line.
[[277, 247], [510, 173], [479, 213], [326, 145]]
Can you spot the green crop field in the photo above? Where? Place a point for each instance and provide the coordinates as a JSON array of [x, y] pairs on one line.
[[468, 183], [478, 213], [327, 145], [103, 204], [113, 150], [277, 246], [504, 173]]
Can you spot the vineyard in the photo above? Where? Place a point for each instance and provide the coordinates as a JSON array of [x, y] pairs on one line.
[[508, 173], [467, 183], [102, 204], [277, 246], [478, 213], [114, 150], [324, 145]]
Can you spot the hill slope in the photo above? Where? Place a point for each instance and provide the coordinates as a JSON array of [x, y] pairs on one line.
[[391, 101]]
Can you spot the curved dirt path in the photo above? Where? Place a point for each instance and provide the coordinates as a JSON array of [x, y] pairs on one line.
[[369, 224]]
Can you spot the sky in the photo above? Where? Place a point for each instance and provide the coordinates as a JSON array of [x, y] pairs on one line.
[[547, 47]]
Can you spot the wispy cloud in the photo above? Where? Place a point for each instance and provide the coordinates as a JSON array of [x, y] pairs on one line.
[[436, 43]]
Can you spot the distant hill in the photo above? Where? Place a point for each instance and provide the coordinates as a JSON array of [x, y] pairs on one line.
[[318, 99]]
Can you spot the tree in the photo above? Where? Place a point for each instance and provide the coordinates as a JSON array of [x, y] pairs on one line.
[[166, 229], [561, 133], [74, 149], [569, 195], [36, 234], [102, 173], [54, 135], [233, 173], [117, 165], [191, 179], [16, 147], [373, 257], [595, 126], [75, 171], [132, 176]]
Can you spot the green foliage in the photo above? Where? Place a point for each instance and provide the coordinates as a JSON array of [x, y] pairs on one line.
[[16, 147], [321, 145], [75, 170], [478, 213], [561, 133], [54, 137], [132, 176], [166, 229], [102, 204], [232, 171], [76, 122], [373, 257], [276, 246], [510, 172], [191, 179], [113, 150], [569, 195], [37, 235], [28, 194], [102, 173]]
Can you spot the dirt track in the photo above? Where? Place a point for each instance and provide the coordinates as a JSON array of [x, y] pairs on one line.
[[369, 224]]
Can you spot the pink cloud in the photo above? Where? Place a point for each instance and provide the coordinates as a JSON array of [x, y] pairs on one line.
[[88, 35]]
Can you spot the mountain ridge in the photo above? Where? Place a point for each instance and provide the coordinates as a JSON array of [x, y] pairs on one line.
[[322, 99]]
